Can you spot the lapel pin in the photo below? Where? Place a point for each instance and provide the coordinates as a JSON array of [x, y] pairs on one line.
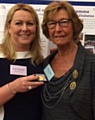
[[41, 77], [72, 85], [75, 74]]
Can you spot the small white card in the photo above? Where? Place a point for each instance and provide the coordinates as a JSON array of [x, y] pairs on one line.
[[18, 70]]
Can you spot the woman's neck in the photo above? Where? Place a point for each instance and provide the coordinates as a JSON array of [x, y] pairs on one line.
[[67, 50]]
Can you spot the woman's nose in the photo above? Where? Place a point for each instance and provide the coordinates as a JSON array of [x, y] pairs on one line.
[[58, 27], [24, 27]]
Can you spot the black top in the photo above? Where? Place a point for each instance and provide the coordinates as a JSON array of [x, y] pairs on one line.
[[23, 106]]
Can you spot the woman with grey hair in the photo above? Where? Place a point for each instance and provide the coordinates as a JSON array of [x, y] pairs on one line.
[[69, 93]]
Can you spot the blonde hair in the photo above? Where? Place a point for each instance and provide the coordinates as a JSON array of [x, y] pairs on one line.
[[35, 48], [53, 8]]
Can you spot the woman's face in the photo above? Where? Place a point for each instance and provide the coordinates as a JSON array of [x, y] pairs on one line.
[[22, 30], [60, 28]]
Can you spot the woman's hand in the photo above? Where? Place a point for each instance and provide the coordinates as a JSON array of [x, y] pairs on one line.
[[24, 84]]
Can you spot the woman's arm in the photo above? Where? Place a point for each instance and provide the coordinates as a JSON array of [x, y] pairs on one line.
[[21, 84]]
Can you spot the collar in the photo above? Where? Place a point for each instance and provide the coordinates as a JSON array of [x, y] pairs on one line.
[[23, 55], [19, 55]]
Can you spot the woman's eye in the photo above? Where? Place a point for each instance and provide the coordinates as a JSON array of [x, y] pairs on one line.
[[63, 21], [30, 24], [52, 23], [18, 23]]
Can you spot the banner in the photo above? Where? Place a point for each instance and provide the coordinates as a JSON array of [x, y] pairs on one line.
[[85, 13]]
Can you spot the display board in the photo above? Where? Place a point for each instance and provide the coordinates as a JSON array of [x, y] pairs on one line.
[[73, 2], [84, 9]]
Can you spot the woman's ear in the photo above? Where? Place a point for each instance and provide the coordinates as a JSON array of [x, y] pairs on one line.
[[8, 27]]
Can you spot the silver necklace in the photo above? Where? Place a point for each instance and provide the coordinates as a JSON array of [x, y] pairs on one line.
[[47, 97]]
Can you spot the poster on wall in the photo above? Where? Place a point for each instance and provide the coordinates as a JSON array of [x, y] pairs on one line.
[[85, 13]]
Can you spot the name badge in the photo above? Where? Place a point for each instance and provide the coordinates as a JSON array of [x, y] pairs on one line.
[[48, 72], [18, 70]]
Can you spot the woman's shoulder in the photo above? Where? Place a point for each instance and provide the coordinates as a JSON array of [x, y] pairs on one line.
[[90, 56], [2, 55], [84, 52]]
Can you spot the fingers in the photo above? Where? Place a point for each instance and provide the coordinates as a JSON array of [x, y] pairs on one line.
[[33, 82], [24, 84], [32, 77]]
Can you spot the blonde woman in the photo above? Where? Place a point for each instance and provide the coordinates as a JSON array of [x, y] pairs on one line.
[[20, 60]]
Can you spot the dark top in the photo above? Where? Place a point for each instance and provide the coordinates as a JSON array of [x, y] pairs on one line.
[[72, 96], [23, 106]]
